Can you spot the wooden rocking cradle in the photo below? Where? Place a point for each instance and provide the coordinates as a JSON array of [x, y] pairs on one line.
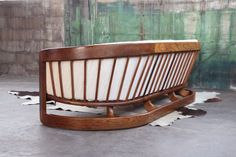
[[116, 74]]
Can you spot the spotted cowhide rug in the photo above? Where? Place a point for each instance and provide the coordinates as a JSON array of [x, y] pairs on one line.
[[189, 111]]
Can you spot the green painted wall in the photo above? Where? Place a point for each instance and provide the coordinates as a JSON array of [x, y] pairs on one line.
[[90, 22]]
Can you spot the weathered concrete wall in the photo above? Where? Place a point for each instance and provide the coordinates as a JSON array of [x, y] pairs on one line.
[[26, 27], [212, 22]]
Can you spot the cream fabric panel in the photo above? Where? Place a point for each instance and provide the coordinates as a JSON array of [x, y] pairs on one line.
[[161, 71], [157, 72], [183, 61], [188, 66], [170, 70], [143, 79], [78, 68], [172, 77], [138, 74], [128, 77], [56, 78], [117, 77], [105, 75], [48, 80], [91, 79], [166, 72], [66, 79], [148, 75], [180, 60]]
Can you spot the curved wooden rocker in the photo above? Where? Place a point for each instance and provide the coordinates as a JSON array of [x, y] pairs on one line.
[[112, 75]]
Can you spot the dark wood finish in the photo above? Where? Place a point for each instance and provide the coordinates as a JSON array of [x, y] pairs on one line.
[[60, 79], [111, 121], [163, 74], [175, 68], [150, 76], [140, 78], [98, 78], [123, 77], [72, 79], [149, 106], [158, 79], [155, 75], [185, 64], [191, 66], [171, 71], [52, 79], [110, 111], [110, 82], [116, 50], [168, 73], [181, 64], [132, 81], [115, 102], [145, 76], [85, 78]]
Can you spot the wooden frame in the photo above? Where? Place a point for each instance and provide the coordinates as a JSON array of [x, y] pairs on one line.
[[116, 51]]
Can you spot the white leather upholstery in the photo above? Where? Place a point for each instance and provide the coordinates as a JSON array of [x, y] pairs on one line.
[[105, 76]]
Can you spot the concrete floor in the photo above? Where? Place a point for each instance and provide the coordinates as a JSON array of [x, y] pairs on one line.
[[21, 133]]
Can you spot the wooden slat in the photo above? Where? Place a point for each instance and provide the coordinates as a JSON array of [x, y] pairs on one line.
[[175, 70], [187, 67], [98, 78], [72, 79], [134, 75], [164, 72], [168, 73], [140, 78], [183, 55], [155, 74], [145, 76], [123, 77], [60, 79], [85, 77], [159, 76], [52, 78], [151, 74], [184, 67], [191, 66], [111, 78]]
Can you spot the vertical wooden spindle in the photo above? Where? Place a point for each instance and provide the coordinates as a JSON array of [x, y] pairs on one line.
[[145, 76], [164, 72], [111, 78], [60, 79], [52, 78], [123, 78], [132, 81], [85, 77], [72, 79], [155, 74], [141, 76], [98, 78]]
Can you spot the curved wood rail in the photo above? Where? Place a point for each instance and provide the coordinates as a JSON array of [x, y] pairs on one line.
[[115, 122], [162, 69]]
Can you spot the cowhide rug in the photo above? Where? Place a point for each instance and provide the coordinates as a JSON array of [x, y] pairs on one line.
[[189, 111]]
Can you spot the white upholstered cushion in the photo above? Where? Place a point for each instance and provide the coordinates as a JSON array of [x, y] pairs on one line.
[[144, 87]]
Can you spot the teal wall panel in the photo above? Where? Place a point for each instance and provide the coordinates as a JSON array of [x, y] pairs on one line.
[[93, 21]]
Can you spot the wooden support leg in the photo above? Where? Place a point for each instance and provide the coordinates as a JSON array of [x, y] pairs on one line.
[[110, 112], [183, 92], [114, 122], [172, 96], [149, 106]]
